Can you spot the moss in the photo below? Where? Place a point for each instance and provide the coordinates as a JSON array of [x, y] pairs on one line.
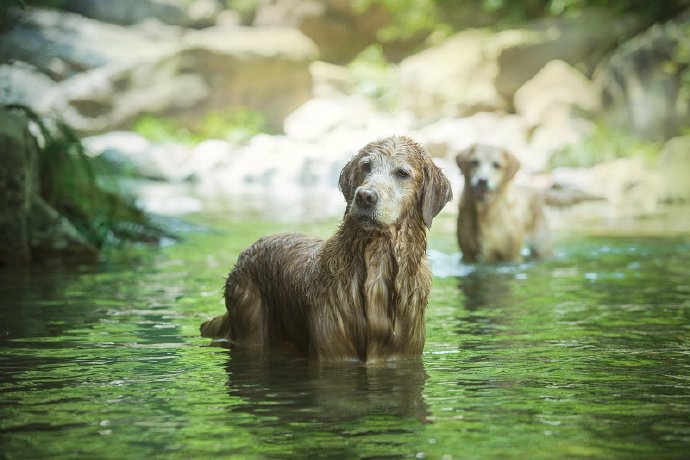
[[68, 180]]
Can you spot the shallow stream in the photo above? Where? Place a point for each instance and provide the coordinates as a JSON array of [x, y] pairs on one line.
[[583, 356]]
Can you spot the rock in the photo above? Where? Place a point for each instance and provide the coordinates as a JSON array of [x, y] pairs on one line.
[[581, 41], [437, 83], [21, 83], [330, 80], [18, 184], [129, 12], [557, 104], [338, 30], [30, 230], [112, 97], [558, 89], [240, 66], [558, 132], [320, 116], [63, 44], [215, 69], [629, 187], [204, 13], [447, 137], [642, 82], [674, 164], [52, 236], [132, 154], [480, 70]]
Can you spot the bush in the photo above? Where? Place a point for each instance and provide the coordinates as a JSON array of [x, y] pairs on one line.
[[236, 125], [605, 144]]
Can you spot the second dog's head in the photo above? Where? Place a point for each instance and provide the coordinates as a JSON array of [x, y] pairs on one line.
[[487, 169], [391, 179]]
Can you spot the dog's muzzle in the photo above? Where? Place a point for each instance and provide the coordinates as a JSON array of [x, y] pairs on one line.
[[366, 199], [365, 206], [480, 189]]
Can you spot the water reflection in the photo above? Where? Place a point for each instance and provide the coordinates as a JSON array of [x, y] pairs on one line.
[[486, 287], [294, 390]]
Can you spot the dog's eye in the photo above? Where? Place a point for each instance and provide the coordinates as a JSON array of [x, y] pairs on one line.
[[496, 165], [474, 163], [402, 174], [365, 166]]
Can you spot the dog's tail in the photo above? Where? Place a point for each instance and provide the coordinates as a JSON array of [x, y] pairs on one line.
[[217, 328], [560, 196]]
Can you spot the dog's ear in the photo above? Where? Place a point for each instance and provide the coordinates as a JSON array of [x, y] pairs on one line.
[[346, 182], [436, 192], [463, 158], [512, 164]]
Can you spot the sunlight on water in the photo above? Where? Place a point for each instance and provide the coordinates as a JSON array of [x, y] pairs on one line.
[[585, 355]]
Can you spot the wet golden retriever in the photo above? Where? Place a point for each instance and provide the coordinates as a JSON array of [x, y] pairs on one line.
[[360, 295], [497, 218]]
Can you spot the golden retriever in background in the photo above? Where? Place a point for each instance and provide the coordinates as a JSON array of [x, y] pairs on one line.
[[358, 296], [496, 217]]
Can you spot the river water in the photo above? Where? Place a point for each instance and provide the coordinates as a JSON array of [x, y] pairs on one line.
[[586, 355]]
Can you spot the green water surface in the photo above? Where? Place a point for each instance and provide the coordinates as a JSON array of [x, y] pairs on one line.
[[583, 356]]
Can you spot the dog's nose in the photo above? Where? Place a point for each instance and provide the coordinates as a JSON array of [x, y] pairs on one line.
[[366, 198], [483, 182]]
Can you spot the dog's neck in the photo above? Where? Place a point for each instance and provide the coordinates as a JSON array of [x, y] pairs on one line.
[[403, 244]]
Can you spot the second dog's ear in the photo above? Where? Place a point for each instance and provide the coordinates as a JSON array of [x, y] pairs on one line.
[[512, 164], [463, 158]]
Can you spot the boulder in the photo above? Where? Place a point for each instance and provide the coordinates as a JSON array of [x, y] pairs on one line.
[[674, 164], [480, 69], [630, 188], [128, 153], [642, 82], [557, 104], [338, 30], [113, 96], [263, 69], [198, 13], [331, 80], [108, 75], [22, 83], [455, 78], [30, 229], [320, 116], [558, 89], [63, 44], [447, 137]]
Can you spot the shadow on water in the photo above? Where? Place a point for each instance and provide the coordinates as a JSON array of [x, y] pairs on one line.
[[293, 390]]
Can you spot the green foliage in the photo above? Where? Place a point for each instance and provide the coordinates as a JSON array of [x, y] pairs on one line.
[[604, 144], [68, 182], [409, 17], [373, 75], [245, 8], [237, 125], [414, 17]]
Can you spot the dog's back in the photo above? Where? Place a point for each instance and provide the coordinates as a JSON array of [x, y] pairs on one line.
[[274, 271]]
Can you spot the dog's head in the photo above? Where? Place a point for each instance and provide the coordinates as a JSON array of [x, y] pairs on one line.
[[487, 169], [390, 179]]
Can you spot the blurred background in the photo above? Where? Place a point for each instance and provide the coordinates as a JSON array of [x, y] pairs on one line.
[[116, 109]]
